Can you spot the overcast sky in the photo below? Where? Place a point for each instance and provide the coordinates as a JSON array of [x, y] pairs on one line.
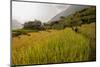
[[25, 11]]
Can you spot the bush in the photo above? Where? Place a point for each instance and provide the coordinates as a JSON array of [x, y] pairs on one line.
[[33, 25]]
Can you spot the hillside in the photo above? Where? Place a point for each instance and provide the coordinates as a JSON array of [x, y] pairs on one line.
[[84, 16], [70, 10]]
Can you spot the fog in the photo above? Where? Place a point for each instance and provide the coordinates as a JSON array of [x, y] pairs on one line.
[[26, 11]]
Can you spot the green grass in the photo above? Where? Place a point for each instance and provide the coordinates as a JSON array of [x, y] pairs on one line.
[[24, 30], [54, 47], [18, 32], [89, 31]]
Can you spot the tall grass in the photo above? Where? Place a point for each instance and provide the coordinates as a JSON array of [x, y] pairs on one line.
[[89, 31], [56, 46]]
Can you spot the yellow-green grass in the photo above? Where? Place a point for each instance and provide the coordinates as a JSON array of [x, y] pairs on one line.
[[89, 31], [53, 46]]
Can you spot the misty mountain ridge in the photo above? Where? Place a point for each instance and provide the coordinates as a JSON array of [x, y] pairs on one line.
[[16, 24], [69, 11]]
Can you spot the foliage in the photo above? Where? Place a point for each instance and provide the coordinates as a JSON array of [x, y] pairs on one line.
[[36, 24], [85, 16], [19, 32]]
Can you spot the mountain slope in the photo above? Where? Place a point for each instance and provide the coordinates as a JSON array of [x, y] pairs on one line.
[[70, 10], [84, 16]]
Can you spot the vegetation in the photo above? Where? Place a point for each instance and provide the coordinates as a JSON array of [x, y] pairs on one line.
[[19, 32], [36, 24], [85, 16], [70, 39], [65, 46], [89, 31]]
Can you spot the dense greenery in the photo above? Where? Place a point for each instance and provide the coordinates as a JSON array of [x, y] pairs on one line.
[[85, 16], [36, 24]]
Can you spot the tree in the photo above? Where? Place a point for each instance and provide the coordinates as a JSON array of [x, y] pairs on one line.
[[36, 24]]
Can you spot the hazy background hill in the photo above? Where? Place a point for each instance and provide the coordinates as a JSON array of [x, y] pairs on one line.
[[72, 9], [16, 24]]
